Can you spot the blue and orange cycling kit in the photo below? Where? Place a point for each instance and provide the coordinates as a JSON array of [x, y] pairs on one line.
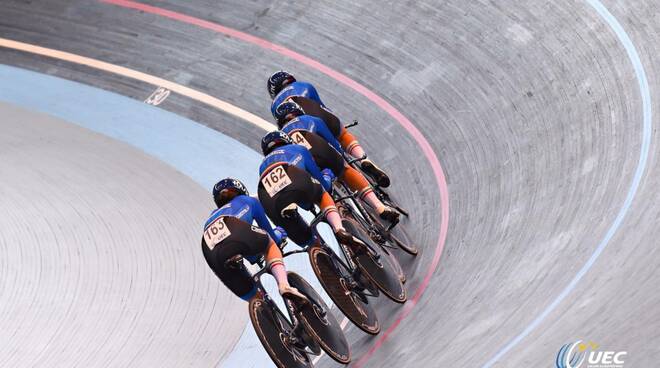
[[325, 158], [312, 124], [296, 89], [312, 105], [232, 224], [246, 209], [305, 185], [298, 156]]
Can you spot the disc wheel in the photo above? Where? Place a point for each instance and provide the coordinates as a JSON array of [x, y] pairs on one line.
[[320, 323], [337, 287], [376, 264], [273, 330]]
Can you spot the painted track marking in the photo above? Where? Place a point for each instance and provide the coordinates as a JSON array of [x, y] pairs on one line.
[[115, 69], [146, 78], [639, 172], [424, 145]]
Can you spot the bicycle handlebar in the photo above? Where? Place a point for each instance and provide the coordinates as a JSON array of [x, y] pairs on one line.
[[354, 123]]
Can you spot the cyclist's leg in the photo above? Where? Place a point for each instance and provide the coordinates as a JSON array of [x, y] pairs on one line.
[[246, 240], [356, 181], [347, 140], [311, 107], [325, 156], [306, 192], [277, 208], [333, 218], [237, 279], [351, 145], [275, 263], [255, 242], [329, 209]]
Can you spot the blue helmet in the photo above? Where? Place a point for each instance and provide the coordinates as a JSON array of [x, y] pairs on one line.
[[226, 189], [286, 108], [273, 140], [277, 81]]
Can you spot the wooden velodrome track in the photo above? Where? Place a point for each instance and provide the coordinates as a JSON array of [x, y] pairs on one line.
[[540, 113]]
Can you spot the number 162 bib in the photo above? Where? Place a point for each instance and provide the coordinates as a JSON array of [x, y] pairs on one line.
[[275, 181]]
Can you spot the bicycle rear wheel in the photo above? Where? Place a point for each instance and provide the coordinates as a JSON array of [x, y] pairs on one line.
[[321, 324], [337, 287], [273, 330], [395, 235], [376, 264]]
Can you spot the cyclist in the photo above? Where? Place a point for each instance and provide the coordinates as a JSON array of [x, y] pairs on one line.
[[282, 86], [312, 133], [289, 178], [229, 233]]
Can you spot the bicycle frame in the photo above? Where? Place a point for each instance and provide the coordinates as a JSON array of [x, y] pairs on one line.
[[377, 231], [295, 335], [338, 263]]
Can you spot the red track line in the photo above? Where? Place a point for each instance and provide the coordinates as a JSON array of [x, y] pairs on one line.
[[384, 105]]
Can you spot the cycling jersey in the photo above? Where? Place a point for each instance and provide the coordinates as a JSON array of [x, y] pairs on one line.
[[302, 89], [295, 155], [247, 209], [314, 125]]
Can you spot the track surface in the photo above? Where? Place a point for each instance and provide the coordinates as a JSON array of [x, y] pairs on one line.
[[532, 106], [95, 271]]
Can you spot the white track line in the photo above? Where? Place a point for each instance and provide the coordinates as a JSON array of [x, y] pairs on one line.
[[153, 80], [343, 323], [647, 132], [147, 78]]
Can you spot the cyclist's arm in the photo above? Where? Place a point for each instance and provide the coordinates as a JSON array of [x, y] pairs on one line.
[[260, 216], [313, 169]]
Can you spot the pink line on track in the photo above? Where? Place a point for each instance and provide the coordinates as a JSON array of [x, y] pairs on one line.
[[384, 105]]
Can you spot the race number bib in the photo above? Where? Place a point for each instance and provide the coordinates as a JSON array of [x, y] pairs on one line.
[[216, 232], [275, 181], [299, 139]]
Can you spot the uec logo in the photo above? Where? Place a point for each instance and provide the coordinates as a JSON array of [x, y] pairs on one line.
[[573, 355]]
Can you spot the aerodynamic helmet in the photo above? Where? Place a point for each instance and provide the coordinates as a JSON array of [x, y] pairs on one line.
[[277, 81], [273, 140], [286, 108], [226, 189]]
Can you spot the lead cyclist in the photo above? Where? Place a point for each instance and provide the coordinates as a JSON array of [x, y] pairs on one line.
[[282, 87]]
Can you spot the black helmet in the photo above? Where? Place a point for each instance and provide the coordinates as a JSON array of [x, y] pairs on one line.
[[286, 108], [273, 140], [277, 81], [226, 189]]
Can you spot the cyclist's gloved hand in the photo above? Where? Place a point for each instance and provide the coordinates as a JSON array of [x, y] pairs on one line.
[[281, 234], [328, 174]]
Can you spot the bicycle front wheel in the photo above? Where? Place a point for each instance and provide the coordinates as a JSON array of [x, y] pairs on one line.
[[376, 264], [320, 323], [337, 287], [273, 330]]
